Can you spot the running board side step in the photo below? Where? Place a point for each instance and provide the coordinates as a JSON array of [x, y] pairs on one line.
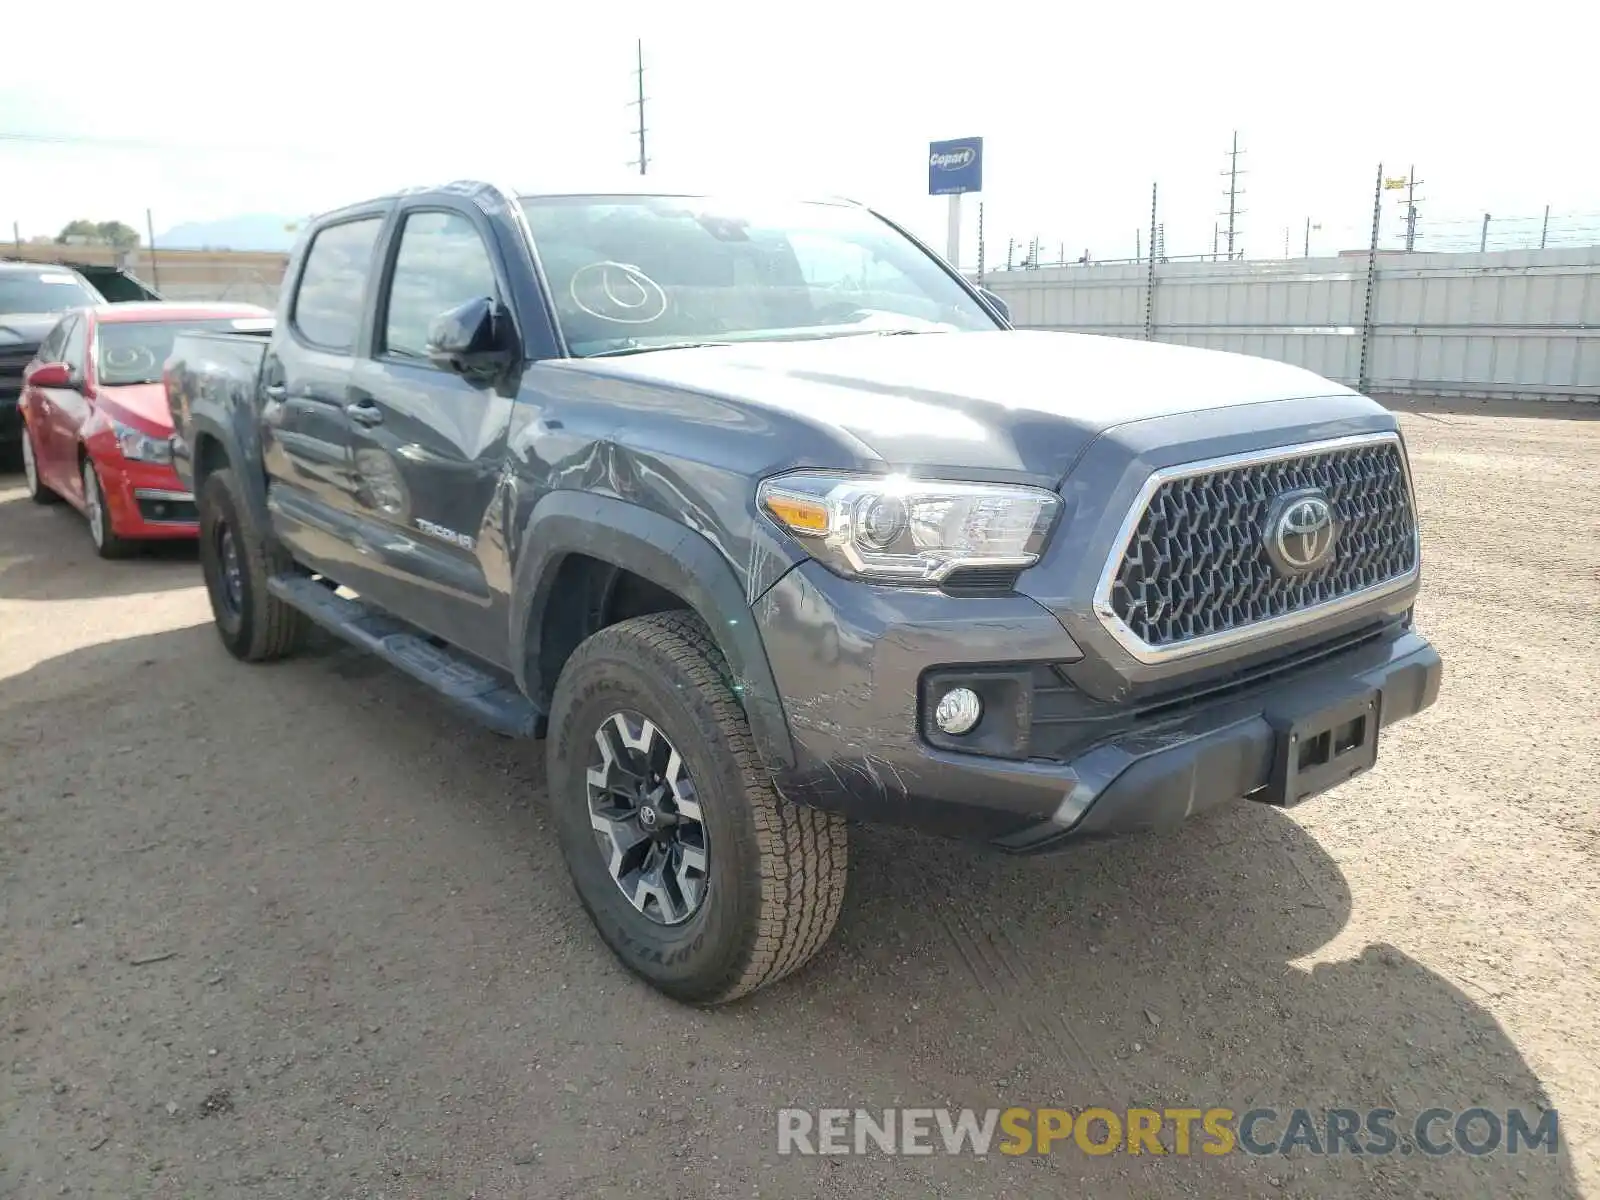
[[490, 697]]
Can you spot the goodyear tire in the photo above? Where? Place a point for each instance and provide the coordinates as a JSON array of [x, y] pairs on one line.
[[253, 624], [721, 887]]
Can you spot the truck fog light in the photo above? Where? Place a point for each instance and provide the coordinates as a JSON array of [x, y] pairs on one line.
[[958, 710]]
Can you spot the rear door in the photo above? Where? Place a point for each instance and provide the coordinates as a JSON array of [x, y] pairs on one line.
[[40, 403], [305, 380], [428, 444], [69, 408]]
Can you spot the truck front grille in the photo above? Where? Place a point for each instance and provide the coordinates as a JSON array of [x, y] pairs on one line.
[[1192, 569]]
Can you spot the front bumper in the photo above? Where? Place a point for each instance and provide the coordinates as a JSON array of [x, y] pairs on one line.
[[850, 660], [146, 501]]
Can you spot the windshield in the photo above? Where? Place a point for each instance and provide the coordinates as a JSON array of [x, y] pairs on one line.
[[135, 351], [42, 292], [642, 272]]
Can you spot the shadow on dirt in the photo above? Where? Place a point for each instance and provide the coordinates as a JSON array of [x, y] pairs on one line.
[[46, 554], [1155, 971]]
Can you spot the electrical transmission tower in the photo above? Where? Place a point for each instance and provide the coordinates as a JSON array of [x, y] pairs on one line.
[[1233, 193], [641, 162]]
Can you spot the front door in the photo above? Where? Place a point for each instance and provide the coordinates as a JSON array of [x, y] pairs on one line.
[[427, 444], [306, 447]]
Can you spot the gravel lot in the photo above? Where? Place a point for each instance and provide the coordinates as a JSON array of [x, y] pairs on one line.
[[299, 931]]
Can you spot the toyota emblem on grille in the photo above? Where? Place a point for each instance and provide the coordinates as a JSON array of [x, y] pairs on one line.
[[1301, 532]]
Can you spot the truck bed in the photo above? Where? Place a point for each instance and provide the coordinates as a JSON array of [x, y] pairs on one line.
[[207, 361]]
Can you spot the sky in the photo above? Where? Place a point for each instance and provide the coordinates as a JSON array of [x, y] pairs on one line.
[[297, 107]]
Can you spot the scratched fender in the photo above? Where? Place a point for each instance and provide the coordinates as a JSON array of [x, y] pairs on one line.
[[666, 553]]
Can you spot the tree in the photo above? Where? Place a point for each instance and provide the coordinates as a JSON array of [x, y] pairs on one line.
[[106, 233], [117, 235], [78, 229]]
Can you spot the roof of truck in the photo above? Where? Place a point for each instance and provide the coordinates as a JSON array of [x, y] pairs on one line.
[[599, 185], [619, 184]]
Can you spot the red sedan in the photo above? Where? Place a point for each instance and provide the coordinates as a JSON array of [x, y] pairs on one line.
[[96, 431]]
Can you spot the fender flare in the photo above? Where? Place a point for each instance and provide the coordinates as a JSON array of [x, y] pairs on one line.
[[245, 466], [669, 555]]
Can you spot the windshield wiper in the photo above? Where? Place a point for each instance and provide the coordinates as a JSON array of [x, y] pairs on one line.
[[619, 351]]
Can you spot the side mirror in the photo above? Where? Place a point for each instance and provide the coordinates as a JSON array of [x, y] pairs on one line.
[[52, 375], [472, 339], [999, 305]]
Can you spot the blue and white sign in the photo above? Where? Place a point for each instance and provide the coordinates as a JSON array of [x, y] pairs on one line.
[[955, 166]]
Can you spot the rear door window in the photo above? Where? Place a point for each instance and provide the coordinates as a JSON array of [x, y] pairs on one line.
[[333, 282]]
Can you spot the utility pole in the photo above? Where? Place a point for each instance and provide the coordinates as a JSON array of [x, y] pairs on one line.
[[1544, 230], [1411, 208], [1234, 192], [155, 271], [1483, 238], [16, 232], [642, 161], [1308, 237]]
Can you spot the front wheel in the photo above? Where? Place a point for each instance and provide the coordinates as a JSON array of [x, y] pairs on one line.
[[96, 509], [253, 624], [698, 875]]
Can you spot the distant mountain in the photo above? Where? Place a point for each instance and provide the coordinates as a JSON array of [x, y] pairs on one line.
[[253, 231]]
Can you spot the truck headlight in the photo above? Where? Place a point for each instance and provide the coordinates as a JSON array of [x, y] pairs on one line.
[[142, 446], [892, 529]]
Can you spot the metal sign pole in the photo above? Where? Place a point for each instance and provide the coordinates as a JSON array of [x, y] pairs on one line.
[[954, 167]]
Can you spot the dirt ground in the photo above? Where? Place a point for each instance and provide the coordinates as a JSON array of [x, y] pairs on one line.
[[299, 931]]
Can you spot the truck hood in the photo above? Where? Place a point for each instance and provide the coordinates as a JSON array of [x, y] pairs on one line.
[[27, 328], [1008, 401]]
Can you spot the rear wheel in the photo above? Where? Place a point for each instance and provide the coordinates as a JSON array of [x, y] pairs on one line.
[[698, 875], [253, 624], [106, 542], [37, 492]]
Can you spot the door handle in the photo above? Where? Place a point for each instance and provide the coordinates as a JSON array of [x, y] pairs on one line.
[[274, 391], [364, 413]]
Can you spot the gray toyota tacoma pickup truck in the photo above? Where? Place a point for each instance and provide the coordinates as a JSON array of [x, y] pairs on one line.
[[766, 520]]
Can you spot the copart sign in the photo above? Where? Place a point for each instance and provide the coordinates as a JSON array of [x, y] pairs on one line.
[[955, 166]]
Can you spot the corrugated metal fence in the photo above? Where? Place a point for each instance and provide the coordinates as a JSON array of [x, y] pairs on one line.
[[1506, 325]]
